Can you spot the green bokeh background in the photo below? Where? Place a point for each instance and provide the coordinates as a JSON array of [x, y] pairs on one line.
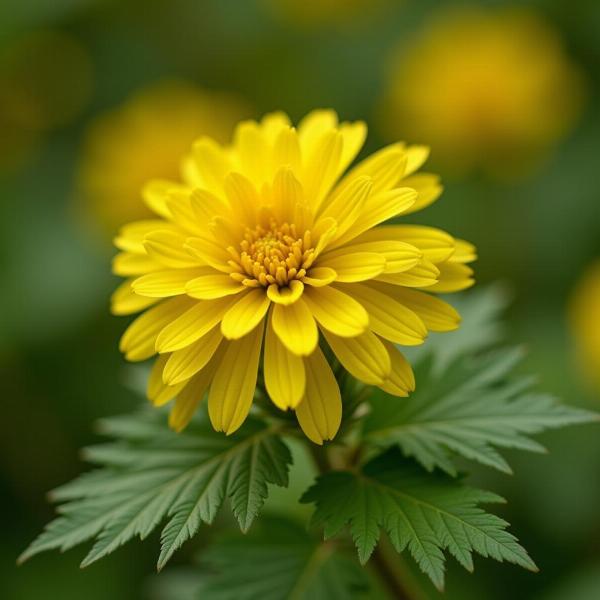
[[60, 365]]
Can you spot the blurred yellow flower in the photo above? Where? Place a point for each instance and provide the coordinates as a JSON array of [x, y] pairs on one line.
[[487, 89], [266, 238], [584, 317], [145, 138]]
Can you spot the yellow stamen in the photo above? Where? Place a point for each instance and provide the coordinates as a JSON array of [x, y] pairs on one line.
[[274, 255]]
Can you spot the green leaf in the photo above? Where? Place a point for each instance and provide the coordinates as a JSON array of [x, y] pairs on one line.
[[278, 559], [424, 512], [470, 409], [149, 474]]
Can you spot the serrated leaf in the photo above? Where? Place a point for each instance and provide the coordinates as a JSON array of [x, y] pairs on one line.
[[470, 409], [149, 474], [423, 512], [278, 559]]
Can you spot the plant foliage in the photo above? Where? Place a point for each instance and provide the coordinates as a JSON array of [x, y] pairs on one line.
[[278, 559], [468, 404], [426, 513], [150, 474], [469, 409]]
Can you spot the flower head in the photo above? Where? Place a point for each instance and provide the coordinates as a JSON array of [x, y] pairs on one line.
[[145, 139], [267, 247], [487, 89]]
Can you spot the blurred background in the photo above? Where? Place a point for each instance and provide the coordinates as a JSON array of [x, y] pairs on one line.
[[96, 96]]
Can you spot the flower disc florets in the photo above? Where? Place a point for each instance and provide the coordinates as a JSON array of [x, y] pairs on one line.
[[274, 256]]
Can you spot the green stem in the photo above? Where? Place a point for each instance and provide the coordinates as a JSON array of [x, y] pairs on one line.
[[396, 580], [319, 454], [395, 563], [389, 576]]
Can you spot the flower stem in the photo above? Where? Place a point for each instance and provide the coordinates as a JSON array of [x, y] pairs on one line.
[[393, 571], [388, 576], [319, 454]]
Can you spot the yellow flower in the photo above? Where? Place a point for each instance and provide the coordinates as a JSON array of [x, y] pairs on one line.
[[584, 316], [145, 138], [267, 246], [486, 89]]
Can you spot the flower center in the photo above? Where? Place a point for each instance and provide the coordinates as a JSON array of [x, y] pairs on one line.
[[276, 254]]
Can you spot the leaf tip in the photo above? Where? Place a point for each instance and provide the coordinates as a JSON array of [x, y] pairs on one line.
[[160, 565], [86, 562]]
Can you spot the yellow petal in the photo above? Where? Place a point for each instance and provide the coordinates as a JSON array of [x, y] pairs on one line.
[[226, 231], [425, 274], [192, 394], [401, 380], [252, 151], [377, 209], [389, 318], [183, 213], [156, 193], [285, 295], [323, 231], [465, 252], [319, 276], [131, 236], [138, 341], [124, 301], [242, 197], [162, 284], [212, 164], [185, 363], [209, 251], [210, 286], [287, 194], [336, 311], [233, 385], [435, 244], [320, 412], [322, 167], [286, 151], [398, 256], [245, 314], [312, 128], [295, 327], [354, 135], [206, 205], [453, 277], [126, 264], [168, 248], [385, 167], [416, 157], [272, 123], [284, 372], [157, 391], [428, 188], [189, 172], [365, 357], [435, 313], [354, 266], [303, 217], [348, 205], [192, 324]]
